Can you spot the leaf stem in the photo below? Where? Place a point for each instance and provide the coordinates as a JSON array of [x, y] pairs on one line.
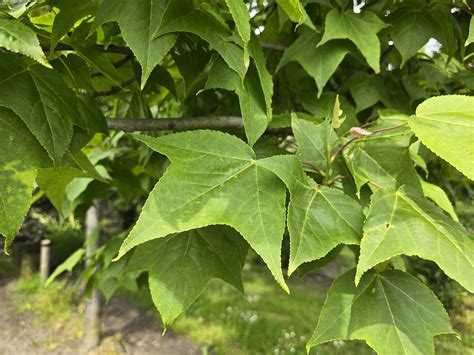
[[350, 141]]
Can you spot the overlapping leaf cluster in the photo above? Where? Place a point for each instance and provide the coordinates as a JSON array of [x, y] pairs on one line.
[[342, 170]]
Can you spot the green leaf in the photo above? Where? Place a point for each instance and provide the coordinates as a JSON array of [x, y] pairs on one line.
[[67, 265], [319, 218], [438, 196], [392, 311], [54, 181], [382, 160], [45, 103], [206, 26], [252, 99], [138, 21], [403, 222], [411, 29], [361, 29], [319, 62], [214, 179], [266, 80], [18, 38], [70, 12], [470, 37], [445, 124], [241, 18], [313, 140], [294, 10], [74, 71], [180, 266], [21, 155]]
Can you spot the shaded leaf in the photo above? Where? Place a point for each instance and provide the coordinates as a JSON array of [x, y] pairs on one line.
[[361, 29], [320, 62], [251, 97], [67, 265], [70, 12], [206, 26], [139, 20], [411, 29], [470, 37], [180, 266], [44, 105]]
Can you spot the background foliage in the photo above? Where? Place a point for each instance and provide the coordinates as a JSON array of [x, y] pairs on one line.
[[317, 123]]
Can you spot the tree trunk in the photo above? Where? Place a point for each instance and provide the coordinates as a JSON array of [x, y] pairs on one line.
[[92, 311]]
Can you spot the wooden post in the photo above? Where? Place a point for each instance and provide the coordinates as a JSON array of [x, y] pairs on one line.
[[45, 259], [92, 322]]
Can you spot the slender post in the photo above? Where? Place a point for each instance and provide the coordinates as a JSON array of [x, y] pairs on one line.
[[92, 311], [45, 259]]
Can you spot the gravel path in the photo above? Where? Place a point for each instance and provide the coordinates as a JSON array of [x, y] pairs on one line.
[[126, 330]]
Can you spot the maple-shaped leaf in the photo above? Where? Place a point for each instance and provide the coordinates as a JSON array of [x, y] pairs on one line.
[[361, 29], [180, 266], [319, 218], [320, 62], [138, 21], [412, 28], [392, 311], [403, 222], [214, 178]]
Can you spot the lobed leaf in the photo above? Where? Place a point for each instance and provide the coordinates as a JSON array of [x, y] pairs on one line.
[[361, 29], [319, 218], [139, 20], [403, 222], [214, 178], [392, 311], [319, 61], [180, 266]]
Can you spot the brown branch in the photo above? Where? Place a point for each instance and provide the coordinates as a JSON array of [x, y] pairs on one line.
[[183, 124], [109, 49], [114, 90], [273, 46]]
